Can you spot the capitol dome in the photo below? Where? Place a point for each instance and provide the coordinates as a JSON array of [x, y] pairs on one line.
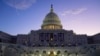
[[51, 21]]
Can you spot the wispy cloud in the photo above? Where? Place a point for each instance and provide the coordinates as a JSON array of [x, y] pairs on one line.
[[20, 4], [74, 11]]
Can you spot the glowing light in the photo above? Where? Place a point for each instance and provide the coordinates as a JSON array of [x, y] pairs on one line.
[[55, 53], [40, 55], [48, 52], [51, 39]]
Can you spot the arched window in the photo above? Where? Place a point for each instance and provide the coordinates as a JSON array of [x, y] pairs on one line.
[[65, 53], [58, 52], [44, 53], [36, 53]]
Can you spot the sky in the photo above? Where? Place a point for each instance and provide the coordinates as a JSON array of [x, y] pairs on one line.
[[22, 16]]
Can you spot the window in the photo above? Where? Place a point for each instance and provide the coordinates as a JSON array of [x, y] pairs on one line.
[[58, 52], [51, 26], [44, 51], [42, 40], [47, 40], [51, 36], [41, 36], [61, 37], [0, 40]]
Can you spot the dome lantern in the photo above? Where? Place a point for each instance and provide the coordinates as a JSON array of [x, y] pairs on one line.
[[51, 8]]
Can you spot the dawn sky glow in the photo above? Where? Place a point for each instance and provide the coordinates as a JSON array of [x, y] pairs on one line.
[[22, 16]]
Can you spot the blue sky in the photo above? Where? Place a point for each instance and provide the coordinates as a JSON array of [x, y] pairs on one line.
[[22, 16]]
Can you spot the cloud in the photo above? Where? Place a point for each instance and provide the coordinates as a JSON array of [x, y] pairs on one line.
[[74, 11], [19, 4]]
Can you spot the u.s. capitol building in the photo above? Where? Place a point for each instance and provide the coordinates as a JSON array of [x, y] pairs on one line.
[[50, 40]]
